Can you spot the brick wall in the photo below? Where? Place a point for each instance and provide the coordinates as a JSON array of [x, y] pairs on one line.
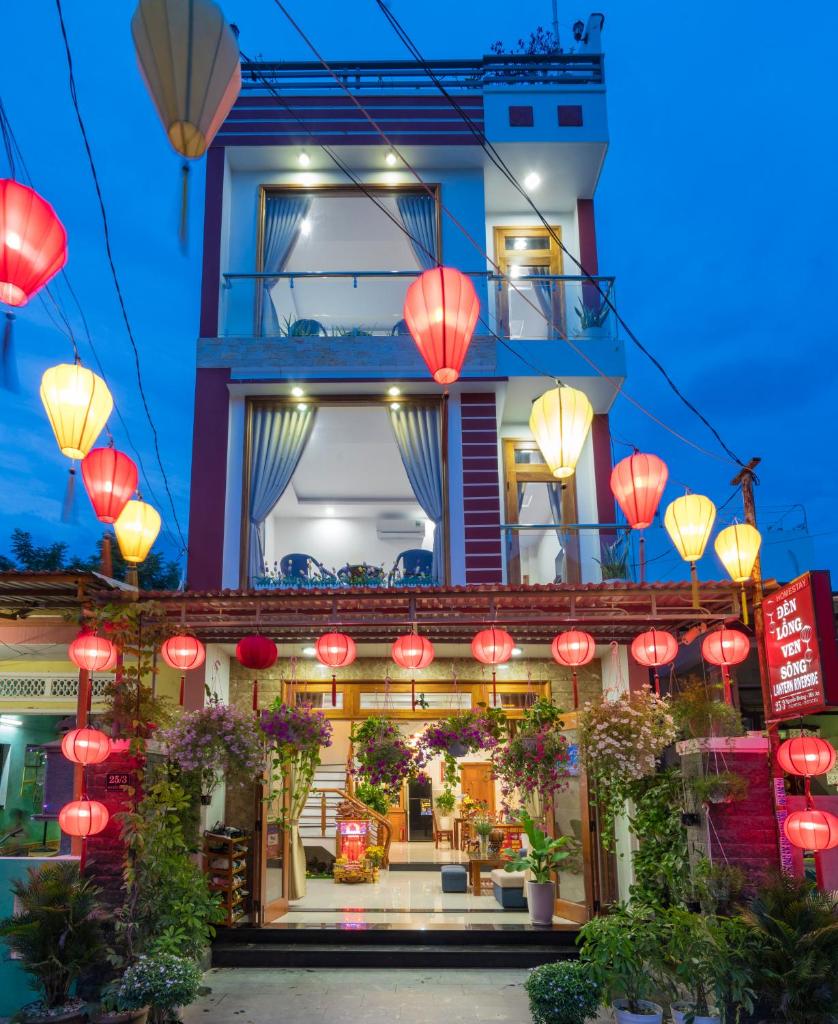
[[481, 489], [105, 852]]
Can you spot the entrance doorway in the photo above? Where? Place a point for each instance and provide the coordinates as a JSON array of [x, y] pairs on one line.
[[477, 782], [532, 302], [420, 817]]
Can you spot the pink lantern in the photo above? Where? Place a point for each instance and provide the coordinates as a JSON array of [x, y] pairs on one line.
[[573, 648]]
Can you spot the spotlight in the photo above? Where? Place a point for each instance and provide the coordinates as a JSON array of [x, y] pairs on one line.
[[297, 392], [391, 159], [395, 406], [394, 392], [532, 181], [303, 159]]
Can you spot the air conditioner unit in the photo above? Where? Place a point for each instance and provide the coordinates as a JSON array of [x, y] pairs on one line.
[[400, 528]]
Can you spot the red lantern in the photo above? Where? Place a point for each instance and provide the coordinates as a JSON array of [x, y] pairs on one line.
[[92, 653], [637, 483], [811, 829], [725, 647], [654, 648], [183, 652], [83, 818], [33, 243], [492, 646], [336, 650], [256, 652], [441, 310], [414, 652], [806, 755], [572, 649], [110, 479], [86, 746]]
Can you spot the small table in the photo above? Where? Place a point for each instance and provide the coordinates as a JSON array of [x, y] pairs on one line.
[[475, 866]]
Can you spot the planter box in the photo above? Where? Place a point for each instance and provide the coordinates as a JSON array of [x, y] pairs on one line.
[[753, 743]]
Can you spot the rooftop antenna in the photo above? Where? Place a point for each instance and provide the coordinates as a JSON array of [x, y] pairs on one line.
[[556, 24]]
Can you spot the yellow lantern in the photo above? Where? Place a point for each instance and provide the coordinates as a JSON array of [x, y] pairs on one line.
[[560, 421], [78, 404], [689, 522], [136, 530], [189, 57], [737, 547]]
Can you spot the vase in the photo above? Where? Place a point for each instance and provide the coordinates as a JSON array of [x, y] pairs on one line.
[[652, 1013], [680, 1011], [540, 901], [483, 845]]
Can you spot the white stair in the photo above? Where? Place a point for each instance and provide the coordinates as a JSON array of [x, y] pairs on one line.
[[326, 776]]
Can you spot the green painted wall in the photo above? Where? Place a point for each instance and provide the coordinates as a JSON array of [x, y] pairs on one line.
[[35, 729]]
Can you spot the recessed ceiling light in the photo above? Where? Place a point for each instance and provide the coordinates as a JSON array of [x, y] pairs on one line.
[[303, 159], [391, 159], [394, 392], [395, 406], [297, 392], [516, 652], [532, 181], [305, 226], [309, 652]]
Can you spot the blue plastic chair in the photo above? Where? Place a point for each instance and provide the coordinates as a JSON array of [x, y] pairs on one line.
[[400, 328], [306, 329], [415, 564]]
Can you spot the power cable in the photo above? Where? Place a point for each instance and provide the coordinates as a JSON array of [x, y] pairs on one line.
[[114, 274], [501, 165]]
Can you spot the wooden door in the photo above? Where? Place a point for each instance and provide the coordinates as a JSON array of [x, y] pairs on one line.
[[478, 782], [524, 254]]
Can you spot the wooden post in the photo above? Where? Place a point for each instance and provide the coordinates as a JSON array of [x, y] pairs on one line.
[[82, 712], [572, 559]]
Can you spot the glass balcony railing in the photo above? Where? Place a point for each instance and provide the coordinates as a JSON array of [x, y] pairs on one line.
[[346, 304], [538, 553]]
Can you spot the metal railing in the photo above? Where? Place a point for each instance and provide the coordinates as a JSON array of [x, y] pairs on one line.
[[550, 70], [365, 303]]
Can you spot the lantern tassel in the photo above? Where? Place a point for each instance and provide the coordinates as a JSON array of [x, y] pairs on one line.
[[183, 226], [494, 689], [726, 681], [68, 510], [575, 690], [694, 582], [744, 605], [413, 694], [256, 695], [334, 691], [182, 690], [8, 367], [657, 684]]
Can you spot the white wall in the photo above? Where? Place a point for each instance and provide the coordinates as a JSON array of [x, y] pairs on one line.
[[615, 680]]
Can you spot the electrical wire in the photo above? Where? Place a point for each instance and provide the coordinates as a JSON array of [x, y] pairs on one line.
[[112, 265], [502, 166], [618, 387]]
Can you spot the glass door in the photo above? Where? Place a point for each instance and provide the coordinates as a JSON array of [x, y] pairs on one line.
[[531, 304]]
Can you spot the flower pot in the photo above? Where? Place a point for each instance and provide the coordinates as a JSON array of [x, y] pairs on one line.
[[541, 897], [445, 822], [126, 1017], [206, 799], [680, 1011], [653, 1013], [74, 1012], [457, 749]]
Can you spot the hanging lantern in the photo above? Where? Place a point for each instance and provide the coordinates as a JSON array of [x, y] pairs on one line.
[[136, 529], [637, 483], [83, 818], [92, 653], [78, 404], [256, 652], [811, 829], [33, 243], [688, 521], [441, 309], [725, 648], [335, 650], [189, 58], [806, 755], [572, 649], [86, 746], [560, 421], [183, 653], [653, 649], [737, 547], [110, 479], [493, 647], [413, 652]]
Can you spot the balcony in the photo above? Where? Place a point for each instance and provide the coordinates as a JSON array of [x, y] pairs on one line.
[[367, 304]]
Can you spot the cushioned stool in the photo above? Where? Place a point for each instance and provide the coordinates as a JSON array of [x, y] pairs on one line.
[[454, 878], [508, 887]]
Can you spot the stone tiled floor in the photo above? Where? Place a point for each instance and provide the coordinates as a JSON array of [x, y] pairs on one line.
[[261, 996]]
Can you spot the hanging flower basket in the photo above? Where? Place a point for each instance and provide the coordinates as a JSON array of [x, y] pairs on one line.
[[382, 756], [536, 761], [295, 736], [464, 733]]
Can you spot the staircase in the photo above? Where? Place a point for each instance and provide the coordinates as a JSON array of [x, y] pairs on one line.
[[314, 830]]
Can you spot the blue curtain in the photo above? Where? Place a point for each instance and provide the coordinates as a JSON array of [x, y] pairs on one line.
[[418, 214], [278, 439], [418, 431], [283, 216]]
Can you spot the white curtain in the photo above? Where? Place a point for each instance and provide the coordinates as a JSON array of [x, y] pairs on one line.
[[418, 432]]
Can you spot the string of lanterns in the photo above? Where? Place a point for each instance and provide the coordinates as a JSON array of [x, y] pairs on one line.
[[809, 829]]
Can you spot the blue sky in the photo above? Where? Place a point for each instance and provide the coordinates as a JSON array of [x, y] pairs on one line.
[[716, 212]]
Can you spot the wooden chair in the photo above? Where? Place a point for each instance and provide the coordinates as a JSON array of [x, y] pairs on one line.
[[442, 833]]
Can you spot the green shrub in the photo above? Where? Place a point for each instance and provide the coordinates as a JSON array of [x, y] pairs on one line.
[[562, 993], [445, 801], [699, 710], [162, 981]]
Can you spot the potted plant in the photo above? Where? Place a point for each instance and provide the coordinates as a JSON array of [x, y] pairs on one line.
[[464, 733], [217, 741], [619, 948], [382, 756], [562, 993], [445, 805], [373, 796], [160, 981], [115, 1010], [374, 856], [295, 735], [592, 318], [55, 935], [614, 564], [719, 787], [542, 856], [700, 711]]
